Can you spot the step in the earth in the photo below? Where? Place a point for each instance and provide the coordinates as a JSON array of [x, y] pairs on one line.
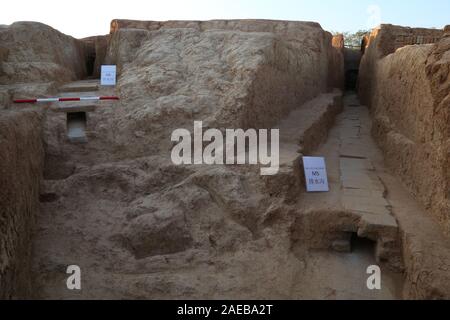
[[384, 225], [75, 106], [80, 86]]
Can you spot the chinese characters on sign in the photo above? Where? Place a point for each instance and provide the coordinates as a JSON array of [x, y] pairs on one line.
[[108, 77], [315, 174]]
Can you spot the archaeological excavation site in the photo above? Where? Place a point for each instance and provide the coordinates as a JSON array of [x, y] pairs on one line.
[[88, 181]]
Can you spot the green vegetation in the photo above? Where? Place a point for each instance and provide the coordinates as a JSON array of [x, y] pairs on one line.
[[353, 39]]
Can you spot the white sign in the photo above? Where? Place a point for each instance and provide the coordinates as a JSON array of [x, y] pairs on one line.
[[108, 76], [316, 174]]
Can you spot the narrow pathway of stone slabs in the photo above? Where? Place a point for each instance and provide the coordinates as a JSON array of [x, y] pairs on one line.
[[363, 191], [355, 186]]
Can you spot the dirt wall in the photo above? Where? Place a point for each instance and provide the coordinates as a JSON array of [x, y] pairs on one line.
[[294, 32], [21, 162], [336, 73], [238, 73], [392, 37], [385, 40], [408, 92], [34, 52]]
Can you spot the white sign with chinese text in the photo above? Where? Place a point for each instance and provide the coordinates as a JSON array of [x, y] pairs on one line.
[[316, 174], [108, 77]]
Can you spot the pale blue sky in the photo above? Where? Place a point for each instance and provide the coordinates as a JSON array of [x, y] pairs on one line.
[[82, 18]]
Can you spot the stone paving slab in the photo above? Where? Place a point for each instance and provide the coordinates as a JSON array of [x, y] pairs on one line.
[[375, 200], [365, 208], [352, 163], [363, 193], [380, 220], [367, 184]]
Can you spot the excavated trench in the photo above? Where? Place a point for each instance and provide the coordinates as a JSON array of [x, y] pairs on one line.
[[339, 250], [352, 59], [340, 245], [91, 216], [139, 227], [77, 206]]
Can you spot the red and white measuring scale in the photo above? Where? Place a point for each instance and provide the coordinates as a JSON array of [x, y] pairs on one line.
[[64, 99]]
